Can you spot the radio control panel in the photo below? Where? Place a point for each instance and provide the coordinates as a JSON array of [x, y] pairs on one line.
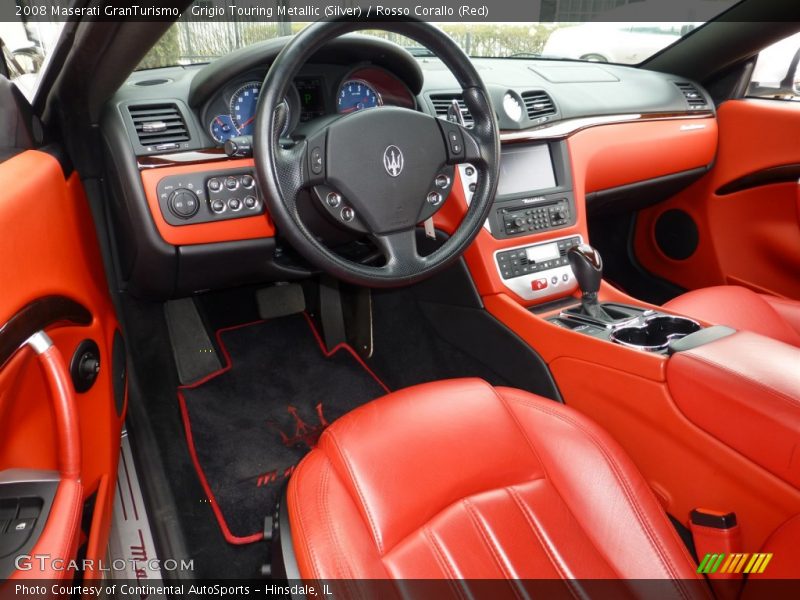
[[535, 217], [529, 216], [538, 271]]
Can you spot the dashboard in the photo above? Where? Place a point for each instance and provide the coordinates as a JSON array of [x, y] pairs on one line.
[[575, 138]]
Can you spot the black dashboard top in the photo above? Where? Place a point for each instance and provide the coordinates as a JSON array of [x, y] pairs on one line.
[[527, 93]]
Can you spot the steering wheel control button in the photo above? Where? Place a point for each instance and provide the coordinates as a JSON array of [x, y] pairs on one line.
[[348, 214], [218, 206], [184, 204], [250, 202], [316, 161], [442, 181], [434, 198], [235, 204], [333, 199]]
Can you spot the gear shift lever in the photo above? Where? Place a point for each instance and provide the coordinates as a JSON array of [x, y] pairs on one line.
[[588, 269]]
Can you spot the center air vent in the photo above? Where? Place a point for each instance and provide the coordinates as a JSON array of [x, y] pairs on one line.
[[441, 102], [538, 104], [694, 98], [157, 124]]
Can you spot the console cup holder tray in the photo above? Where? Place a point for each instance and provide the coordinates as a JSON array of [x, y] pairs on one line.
[[654, 333]]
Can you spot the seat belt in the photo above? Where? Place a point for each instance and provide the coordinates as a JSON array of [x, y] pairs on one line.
[[718, 541]]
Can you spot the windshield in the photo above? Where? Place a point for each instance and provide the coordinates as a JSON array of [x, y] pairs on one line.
[[590, 31]]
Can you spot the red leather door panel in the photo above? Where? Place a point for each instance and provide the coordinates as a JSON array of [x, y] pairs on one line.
[[48, 248], [749, 233]]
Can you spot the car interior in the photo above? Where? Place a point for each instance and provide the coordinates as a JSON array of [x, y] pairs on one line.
[[326, 308]]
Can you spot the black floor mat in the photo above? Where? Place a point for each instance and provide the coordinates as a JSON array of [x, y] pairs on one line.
[[249, 424]]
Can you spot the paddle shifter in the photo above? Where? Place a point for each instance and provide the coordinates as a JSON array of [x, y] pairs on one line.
[[588, 269]]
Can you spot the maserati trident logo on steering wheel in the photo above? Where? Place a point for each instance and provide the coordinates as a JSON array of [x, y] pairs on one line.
[[393, 160]]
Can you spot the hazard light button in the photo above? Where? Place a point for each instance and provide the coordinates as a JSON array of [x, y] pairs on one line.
[[538, 284]]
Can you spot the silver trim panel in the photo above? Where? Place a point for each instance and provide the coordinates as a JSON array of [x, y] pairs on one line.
[[522, 285], [9, 476], [40, 342], [562, 129]]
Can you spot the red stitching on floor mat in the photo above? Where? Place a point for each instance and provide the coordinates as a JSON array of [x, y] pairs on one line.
[[187, 426]]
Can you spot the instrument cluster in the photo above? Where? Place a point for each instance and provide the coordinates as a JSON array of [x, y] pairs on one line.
[[233, 111]]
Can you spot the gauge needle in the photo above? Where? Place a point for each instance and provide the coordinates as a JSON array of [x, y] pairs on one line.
[[246, 123]]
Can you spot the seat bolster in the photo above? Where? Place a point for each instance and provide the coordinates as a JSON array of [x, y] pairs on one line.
[[783, 564], [330, 538], [789, 310], [740, 308], [604, 490]]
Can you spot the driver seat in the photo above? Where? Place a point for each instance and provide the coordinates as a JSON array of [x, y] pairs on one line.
[[458, 479]]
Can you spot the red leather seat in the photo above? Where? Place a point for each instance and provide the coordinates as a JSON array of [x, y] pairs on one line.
[[742, 309], [457, 479]]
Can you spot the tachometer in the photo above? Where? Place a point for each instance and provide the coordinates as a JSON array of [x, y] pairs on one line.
[[356, 94], [222, 128], [243, 107]]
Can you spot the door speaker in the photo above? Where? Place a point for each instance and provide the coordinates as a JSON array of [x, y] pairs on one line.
[[676, 234]]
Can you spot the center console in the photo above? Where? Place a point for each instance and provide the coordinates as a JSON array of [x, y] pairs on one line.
[[534, 196]]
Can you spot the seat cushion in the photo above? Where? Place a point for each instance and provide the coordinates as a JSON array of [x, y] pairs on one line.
[[742, 309], [457, 479]]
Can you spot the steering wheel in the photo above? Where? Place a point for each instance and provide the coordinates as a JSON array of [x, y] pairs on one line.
[[380, 171]]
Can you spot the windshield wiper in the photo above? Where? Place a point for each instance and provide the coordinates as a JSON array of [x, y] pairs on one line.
[[525, 55]]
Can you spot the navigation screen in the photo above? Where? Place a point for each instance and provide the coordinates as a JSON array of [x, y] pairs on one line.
[[312, 103], [525, 169]]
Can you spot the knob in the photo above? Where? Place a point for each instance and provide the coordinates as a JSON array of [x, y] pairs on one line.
[[184, 204], [587, 266], [519, 221]]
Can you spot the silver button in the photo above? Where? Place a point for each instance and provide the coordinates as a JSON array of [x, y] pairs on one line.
[[333, 199], [434, 198], [565, 278], [442, 181], [348, 214]]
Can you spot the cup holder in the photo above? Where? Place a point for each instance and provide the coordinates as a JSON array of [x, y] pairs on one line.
[[655, 334]]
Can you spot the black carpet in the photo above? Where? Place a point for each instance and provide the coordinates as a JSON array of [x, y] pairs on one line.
[[252, 422]]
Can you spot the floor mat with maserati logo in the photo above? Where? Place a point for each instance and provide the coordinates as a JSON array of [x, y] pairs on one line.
[[250, 423]]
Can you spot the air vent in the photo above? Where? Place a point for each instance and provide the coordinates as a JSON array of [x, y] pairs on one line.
[[538, 104], [158, 124], [694, 98], [441, 102]]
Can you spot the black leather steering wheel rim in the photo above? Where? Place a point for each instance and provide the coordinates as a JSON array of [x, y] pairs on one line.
[[283, 172]]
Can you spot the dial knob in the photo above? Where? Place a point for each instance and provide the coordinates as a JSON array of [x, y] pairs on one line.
[[519, 221], [184, 204]]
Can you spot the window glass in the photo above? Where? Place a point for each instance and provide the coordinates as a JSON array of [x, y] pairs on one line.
[[776, 73]]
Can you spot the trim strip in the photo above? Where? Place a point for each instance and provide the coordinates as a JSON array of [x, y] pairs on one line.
[[556, 130], [50, 311], [780, 174], [562, 129]]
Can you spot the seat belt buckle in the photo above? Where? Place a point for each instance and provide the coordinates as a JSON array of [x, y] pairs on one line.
[[718, 541]]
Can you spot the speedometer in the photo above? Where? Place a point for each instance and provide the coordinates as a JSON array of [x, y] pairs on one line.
[[244, 102], [356, 94]]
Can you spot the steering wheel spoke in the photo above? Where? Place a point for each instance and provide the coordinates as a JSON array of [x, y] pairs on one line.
[[399, 248]]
